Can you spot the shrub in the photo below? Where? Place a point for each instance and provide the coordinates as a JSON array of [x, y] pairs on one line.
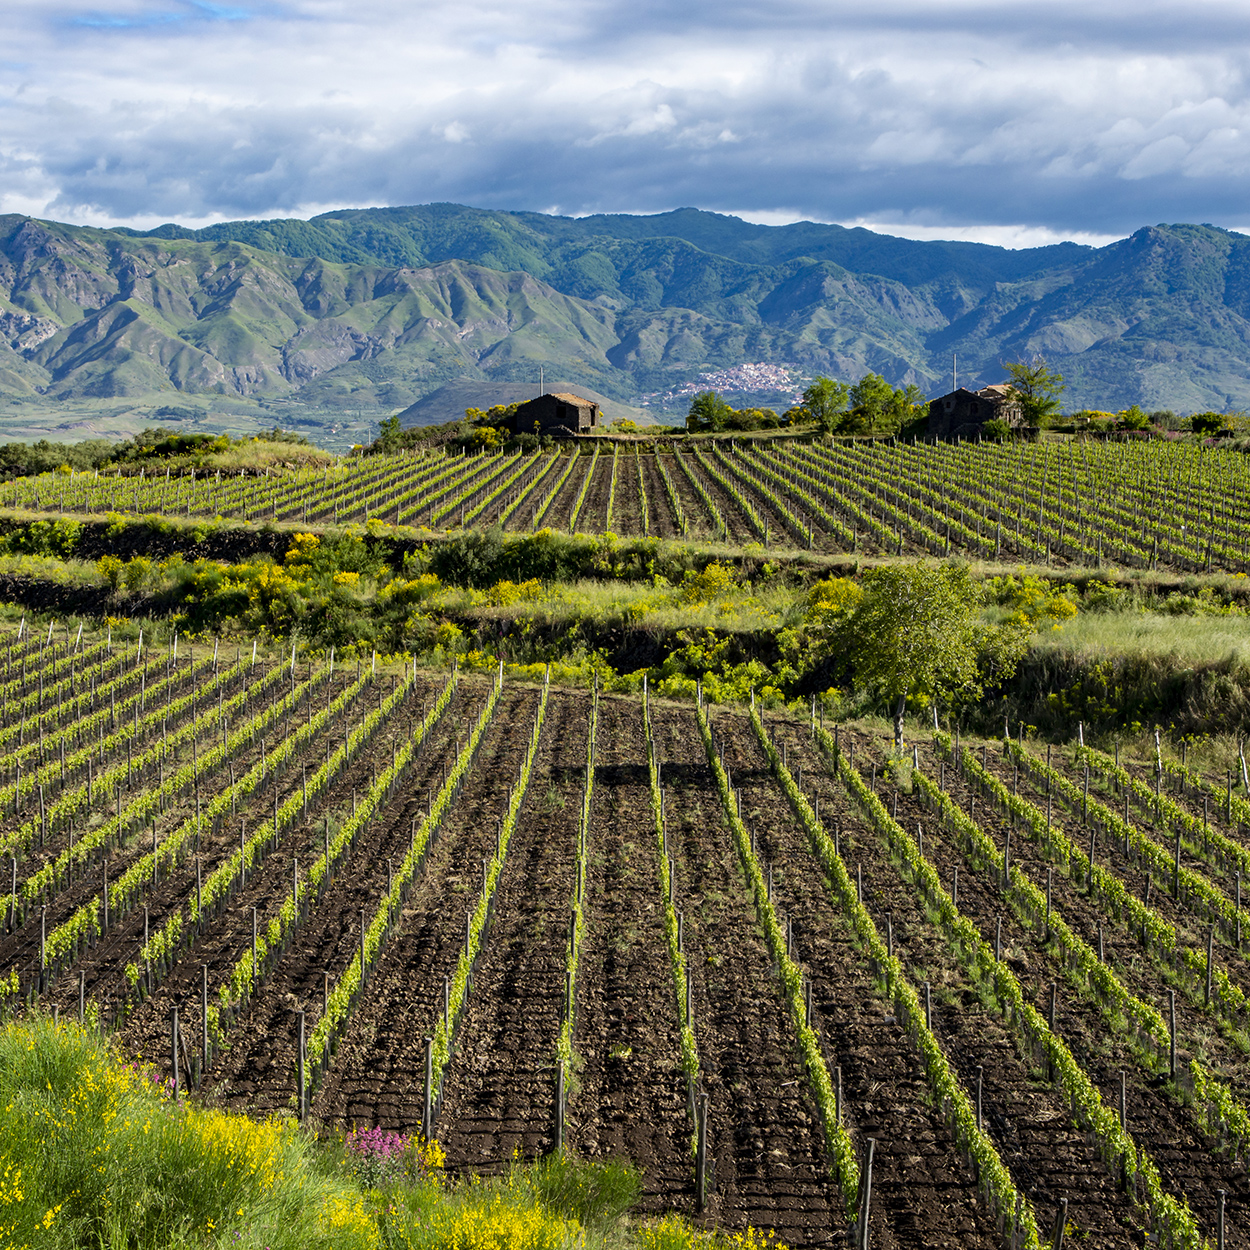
[[111, 569]]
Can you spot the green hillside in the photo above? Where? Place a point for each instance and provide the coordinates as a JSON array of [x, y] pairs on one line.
[[377, 308]]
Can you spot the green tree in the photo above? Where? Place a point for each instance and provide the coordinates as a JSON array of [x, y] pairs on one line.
[[1133, 419], [914, 635], [1207, 422], [872, 402], [390, 433], [709, 413], [825, 402], [1037, 387]]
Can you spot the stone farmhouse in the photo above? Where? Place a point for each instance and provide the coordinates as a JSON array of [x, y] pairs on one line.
[[963, 413], [558, 415]]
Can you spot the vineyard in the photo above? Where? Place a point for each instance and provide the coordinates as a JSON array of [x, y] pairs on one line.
[[981, 994], [1137, 505]]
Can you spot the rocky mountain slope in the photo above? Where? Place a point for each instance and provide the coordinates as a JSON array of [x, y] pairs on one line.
[[384, 306]]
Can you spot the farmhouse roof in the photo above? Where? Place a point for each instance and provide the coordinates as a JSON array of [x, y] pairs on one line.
[[570, 398]]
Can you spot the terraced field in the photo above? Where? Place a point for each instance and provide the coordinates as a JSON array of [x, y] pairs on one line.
[[747, 953]]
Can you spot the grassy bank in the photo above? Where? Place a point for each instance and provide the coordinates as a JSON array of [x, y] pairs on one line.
[[93, 1153]]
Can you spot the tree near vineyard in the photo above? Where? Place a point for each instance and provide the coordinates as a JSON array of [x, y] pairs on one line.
[[913, 635], [1038, 387], [708, 413], [825, 401]]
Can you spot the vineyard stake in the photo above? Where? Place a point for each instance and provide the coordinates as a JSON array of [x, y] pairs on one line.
[[928, 1006], [560, 1109], [303, 1093], [998, 941], [889, 934], [325, 992], [1061, 1224], [955, 886], [362, 946], [859, 882], [1123, 1102], [204, 1017], [1172, 1034], [43, 945], [105, 891], [807, 1002], [980, 1078], [1220, 1234], [865, 1196], [700, 1158], [253, 948], [429, 1081], [1050, 876], [173, 1047], [1210, 953], [1054, 1004]]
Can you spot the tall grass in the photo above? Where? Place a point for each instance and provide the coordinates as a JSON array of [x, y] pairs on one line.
[[94, 1153], [1197, 639]]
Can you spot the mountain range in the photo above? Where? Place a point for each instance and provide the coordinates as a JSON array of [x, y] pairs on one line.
[[385, 306]]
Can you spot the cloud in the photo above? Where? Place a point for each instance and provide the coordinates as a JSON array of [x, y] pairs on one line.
[[1015, 120]]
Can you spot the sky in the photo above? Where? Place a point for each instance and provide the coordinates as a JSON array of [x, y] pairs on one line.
[[1005, 121]]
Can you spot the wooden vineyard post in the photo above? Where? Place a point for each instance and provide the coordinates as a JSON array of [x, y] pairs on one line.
[[1210, 953], [559, 1108], [82, 998], [204, 1017], [173, 1047], [427, 1126], [700, 1157], [865, 1196], [1172, 1034], [1220, 1228], [302, 1095], [980, 1078], [253, 948], [1061, 1224]]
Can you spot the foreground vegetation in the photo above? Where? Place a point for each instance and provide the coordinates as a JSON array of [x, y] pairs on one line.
[[96, 1152]]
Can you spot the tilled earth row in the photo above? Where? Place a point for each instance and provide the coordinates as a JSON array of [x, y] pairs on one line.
[[924, 1195], [20, 949], [376, 1077]]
